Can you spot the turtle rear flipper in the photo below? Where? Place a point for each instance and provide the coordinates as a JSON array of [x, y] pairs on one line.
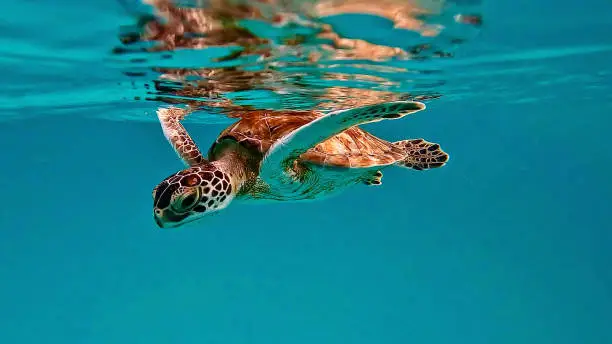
[[375, 179], [421, 154]]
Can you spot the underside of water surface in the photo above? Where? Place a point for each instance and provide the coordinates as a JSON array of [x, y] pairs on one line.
[[220, 56]]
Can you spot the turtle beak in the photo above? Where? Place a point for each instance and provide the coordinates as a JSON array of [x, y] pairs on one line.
[[164, 219], [159, 222], [168, 219]]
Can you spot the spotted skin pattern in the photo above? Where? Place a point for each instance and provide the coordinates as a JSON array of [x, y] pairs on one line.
[[191, 193], [178, 137], [376, 179], [421, 154]]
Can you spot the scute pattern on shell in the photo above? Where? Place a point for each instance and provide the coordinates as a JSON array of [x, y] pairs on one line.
[[353, 147]]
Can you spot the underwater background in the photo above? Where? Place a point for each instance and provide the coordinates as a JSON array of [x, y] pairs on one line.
[[508, 243]]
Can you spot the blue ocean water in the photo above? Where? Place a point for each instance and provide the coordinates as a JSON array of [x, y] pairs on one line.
[[508, 243]]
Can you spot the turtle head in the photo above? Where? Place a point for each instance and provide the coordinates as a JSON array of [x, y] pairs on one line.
[[191, 194]]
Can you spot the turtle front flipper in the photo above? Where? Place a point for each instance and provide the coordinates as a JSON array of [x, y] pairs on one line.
[[375, 179], [183, 144], [421, 154], [288, 148]]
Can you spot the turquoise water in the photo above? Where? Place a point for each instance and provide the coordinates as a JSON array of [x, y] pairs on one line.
[[508, 243]]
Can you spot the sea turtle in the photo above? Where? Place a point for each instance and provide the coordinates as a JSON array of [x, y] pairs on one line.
[[285, 156]]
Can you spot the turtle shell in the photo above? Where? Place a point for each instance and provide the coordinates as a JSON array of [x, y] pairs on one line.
[[354, 147]]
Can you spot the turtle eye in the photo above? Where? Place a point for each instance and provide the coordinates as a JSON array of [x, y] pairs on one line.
[[186, 201]]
